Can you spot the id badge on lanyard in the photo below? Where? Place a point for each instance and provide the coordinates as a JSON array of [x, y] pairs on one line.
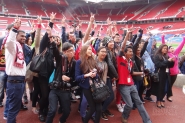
[[129, 79]]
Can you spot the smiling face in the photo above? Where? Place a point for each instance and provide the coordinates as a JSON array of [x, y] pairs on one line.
[[89, 52], [171, 50], [102, 53], [21, 37], [129, 53], [110, 45], [30, 41], [70, 52], [164, 50], [117, 38]]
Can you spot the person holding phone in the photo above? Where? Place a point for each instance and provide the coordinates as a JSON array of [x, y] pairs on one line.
[[174, 54]]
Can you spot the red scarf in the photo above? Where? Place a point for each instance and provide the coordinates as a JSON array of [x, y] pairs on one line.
[[19, 58]]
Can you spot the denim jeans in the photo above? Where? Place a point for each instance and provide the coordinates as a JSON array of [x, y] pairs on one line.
[[108, 101], [54, 96], [14, 96], [128, 94], [3, 79]]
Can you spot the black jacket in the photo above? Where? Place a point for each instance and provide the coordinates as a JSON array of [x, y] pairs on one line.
[[112, 65], [48, 66], [63, 66]]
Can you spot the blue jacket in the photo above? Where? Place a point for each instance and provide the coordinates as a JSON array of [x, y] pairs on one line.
[[79, 76], [28, 53], [182, 68], [148, 63]]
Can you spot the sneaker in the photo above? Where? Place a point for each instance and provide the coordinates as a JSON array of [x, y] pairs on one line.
[[148, 98], [1, 104], [120, 108], [103, 116], [107, 112], [25, 100], [35, 111], [5, 117], [123, 120]]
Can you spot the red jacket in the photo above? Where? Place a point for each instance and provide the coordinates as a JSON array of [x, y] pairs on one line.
[[124, 71]]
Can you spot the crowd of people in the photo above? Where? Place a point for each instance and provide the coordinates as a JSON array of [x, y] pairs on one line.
[[71, 62]]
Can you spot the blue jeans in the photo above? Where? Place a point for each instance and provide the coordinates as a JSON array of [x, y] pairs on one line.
[[3, 79], [14, 96], [108, 101], [54, 96], [83, 107], [128, 94]]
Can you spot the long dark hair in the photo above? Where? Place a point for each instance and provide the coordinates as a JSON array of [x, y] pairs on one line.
[[86, 64], [159, 52]]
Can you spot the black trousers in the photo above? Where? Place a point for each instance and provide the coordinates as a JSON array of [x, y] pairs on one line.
[[54, 96], [44, 89], [173, 79], [94, 107], [36, 91]]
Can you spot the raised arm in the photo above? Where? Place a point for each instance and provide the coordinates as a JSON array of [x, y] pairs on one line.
[[179, 48], [88, 29], [126, 38], [63, 36], [45, 40], [136, 43], [11, 40], [163, 39], [38, 34], [149, 46], [144, 47]]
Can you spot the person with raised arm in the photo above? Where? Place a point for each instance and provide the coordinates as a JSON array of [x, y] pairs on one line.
[[173, 53], [126, 84], [46, 71], [15, 69]]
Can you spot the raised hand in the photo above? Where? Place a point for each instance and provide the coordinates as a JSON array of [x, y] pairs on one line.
[[17, 23], [92, 18], [52, 16], [39, 19], [80, 23], [109, 22], [129, 30]]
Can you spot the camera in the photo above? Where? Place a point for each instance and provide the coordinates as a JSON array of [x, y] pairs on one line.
[[56, 84], [66, 84]]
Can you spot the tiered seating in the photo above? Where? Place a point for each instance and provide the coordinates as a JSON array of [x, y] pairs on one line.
[[181, 14], [36, 10], [52, 8], [4, 21], [86, 9], [154, 11], [150, 7], [104, 11], [14, 7], [172, 10], [115, 11]]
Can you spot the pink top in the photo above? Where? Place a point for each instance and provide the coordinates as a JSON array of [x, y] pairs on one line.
[[175, 69]]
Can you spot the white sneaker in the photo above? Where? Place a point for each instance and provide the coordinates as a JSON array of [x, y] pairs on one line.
[[123, 105], [120, 109], [5, 118]]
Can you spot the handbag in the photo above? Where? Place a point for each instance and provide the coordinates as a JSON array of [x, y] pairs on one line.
[[37, 62], [155, 77], [100, 91]]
